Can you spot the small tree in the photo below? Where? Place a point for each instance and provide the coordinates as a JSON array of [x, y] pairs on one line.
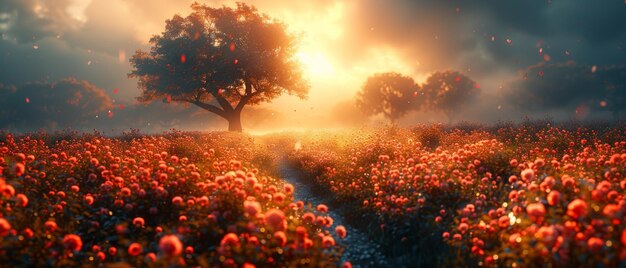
[[448, 91], [390, 94], [220, 59]]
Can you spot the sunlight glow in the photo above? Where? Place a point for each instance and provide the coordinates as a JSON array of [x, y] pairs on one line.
[[315, 64]]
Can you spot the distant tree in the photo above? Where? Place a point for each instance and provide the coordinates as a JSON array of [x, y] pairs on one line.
[[54, 105], [220, 59], [448, 91], [390, 94]]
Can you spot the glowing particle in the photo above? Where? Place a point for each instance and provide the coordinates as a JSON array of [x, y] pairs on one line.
[[35, 47], [121, 55], [110, 114], [183, 58], [232, 46], [512, 218], [499, 107], [540, 73], [540, 50], [121, 106], [236, 61], [89, 63], [457, 79], [547, 57], [594, 69], [567, 52], [603, 103], [493, 38], [27, 100], [115, 91], [220, 91], [509, 41], [477, 86]]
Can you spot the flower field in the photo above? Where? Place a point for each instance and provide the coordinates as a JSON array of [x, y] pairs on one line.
[[172, 200], [514, 196]]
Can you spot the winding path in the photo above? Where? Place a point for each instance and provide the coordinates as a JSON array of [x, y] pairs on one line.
[[360, 250]]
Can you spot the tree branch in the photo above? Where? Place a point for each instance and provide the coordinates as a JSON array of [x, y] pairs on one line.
[[222, 101], [209, 107]]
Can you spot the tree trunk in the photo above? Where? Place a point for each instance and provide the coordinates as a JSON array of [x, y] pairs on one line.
[[234, 121]]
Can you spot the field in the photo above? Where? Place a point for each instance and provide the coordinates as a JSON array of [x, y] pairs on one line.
[[509, 195]]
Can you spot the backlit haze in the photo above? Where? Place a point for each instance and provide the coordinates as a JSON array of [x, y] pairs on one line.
[[341, 43]]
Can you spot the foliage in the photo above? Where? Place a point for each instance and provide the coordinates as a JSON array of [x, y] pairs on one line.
[[232, 56]]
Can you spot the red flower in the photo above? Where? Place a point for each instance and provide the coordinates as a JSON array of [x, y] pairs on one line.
[[230, 239], [276, 219], [134, 249], [72, 242], [5, 227], [170, 245], [577, 209], [341, 231]]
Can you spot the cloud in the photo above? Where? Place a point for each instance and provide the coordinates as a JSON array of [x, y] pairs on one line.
[[575, 88]]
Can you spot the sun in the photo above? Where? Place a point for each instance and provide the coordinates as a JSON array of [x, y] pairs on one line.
[[315, 64]]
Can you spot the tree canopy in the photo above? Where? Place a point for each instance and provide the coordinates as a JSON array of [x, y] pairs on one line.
[[220, 59], [448, 91], [390, 94]]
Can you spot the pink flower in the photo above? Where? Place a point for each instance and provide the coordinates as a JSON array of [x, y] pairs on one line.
[[170, 245]]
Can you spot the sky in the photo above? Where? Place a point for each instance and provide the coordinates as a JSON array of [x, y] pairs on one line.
[[531, 58]]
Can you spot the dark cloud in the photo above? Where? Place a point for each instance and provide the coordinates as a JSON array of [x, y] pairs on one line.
[[570, 87], [32, 20]]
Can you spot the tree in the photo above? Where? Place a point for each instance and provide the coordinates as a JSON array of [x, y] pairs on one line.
[[390, 94], [449, 91], [220, 59], [54, 105]]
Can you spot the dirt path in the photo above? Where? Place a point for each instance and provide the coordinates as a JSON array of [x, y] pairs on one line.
[[360, 251]]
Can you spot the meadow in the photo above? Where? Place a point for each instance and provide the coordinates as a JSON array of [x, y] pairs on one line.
[[515, 195]]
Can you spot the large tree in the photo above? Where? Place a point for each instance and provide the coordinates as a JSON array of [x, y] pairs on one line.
[[390, 94], [448, 91], [220, 59]]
